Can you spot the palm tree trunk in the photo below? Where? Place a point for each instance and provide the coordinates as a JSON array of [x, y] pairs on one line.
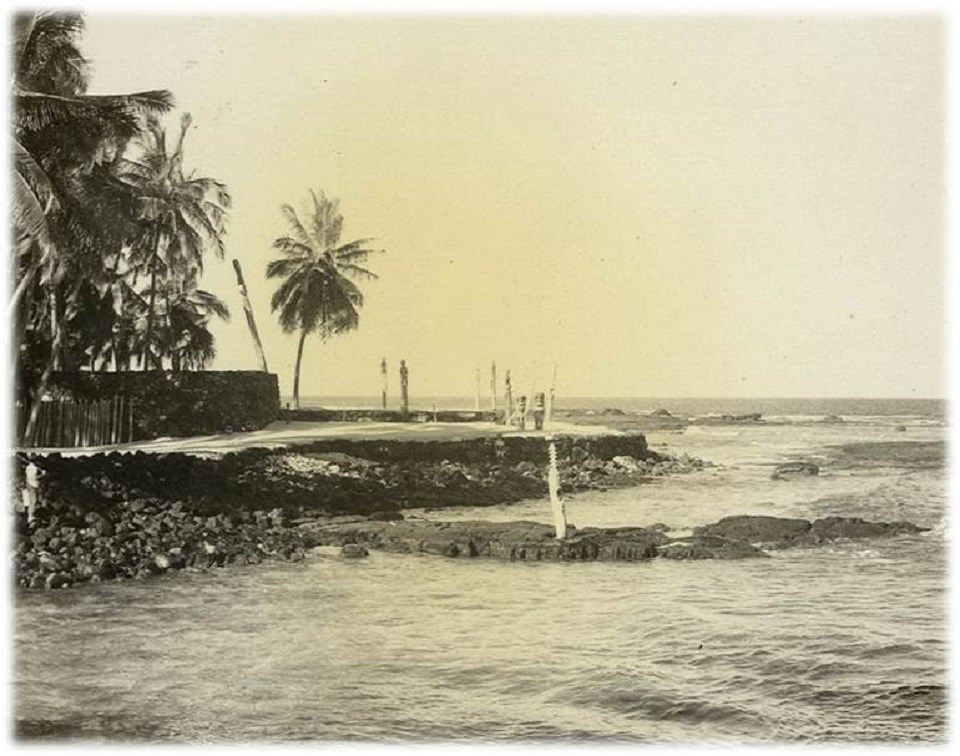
[[248, 311], [296, 371], [42, 387], [150, 316]]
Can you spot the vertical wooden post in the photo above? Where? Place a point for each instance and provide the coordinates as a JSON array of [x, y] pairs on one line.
[[61, 410], [383, 382], [89, 432], [508, 399], [404, 389], [76, 422], [550, 397], [493, 388], [248, 311], [130, 406], [121, 401], [114, 405], [553, 484], [476, 405], [434, 413]]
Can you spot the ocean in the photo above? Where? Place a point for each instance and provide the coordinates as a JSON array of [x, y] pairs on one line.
[[844, 643]]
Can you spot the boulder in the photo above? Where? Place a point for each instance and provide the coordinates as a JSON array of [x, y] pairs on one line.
[[660, 413], [777, 531], [353, 551]]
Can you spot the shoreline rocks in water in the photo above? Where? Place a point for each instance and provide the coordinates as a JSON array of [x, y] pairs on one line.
[[783, 532], [145, 538], [117, 516], [139, 538], [737, 537]]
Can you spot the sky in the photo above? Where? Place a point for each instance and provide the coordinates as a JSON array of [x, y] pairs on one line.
[[659, 206]]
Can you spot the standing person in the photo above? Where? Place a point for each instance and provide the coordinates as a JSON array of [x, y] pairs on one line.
[[404, 381], [538, 410], [522, 412], [30, 494]]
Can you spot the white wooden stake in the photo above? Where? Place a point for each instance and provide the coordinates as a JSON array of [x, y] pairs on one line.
[[556, 503]]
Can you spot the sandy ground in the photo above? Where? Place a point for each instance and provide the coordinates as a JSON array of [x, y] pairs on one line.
[[285, 434]]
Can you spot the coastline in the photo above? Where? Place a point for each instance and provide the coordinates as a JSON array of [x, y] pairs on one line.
[[112, 516]]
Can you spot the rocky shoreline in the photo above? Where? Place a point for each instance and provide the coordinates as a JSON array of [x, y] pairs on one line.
[[737, 537], [114, 516]]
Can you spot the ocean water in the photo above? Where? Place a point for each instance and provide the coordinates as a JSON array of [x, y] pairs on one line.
[[840, 643]]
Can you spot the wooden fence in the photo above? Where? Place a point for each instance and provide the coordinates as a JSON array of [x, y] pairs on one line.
[[75, 423]]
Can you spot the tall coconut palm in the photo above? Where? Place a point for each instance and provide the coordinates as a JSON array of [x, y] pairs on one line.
[[317, 293], [60, 132], [183, 218]]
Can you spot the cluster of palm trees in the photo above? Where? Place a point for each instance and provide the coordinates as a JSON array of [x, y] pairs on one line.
[[110, 231]]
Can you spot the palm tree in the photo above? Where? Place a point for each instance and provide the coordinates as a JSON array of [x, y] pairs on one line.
[[183, 217], [186, 332], [316, 293], [62, 139], [60, 133]]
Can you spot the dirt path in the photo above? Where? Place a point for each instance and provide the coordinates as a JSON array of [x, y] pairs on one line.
[[284, 434]]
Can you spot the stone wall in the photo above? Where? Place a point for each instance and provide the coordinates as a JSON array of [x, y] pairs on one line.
[[186, 403], [389, 474]]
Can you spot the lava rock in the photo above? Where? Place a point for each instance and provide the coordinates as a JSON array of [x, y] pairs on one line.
[[795, 469], [833, 528], [771, 531], [710, 547]]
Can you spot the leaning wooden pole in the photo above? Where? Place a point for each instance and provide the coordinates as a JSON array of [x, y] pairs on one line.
[[248, 311]]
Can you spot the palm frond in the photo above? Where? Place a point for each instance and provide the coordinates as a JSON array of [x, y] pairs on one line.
[[299, 231]]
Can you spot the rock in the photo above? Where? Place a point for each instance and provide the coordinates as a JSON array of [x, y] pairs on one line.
[[57, 580], [795, 469], [710, 547], [783, 531], [353, 551], [660, 413], [900, 428], [627, 463], [659, 526], [832, 420], [499, 540], [832, 528]]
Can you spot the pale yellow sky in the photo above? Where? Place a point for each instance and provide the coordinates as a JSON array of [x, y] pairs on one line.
[[710, 206]]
